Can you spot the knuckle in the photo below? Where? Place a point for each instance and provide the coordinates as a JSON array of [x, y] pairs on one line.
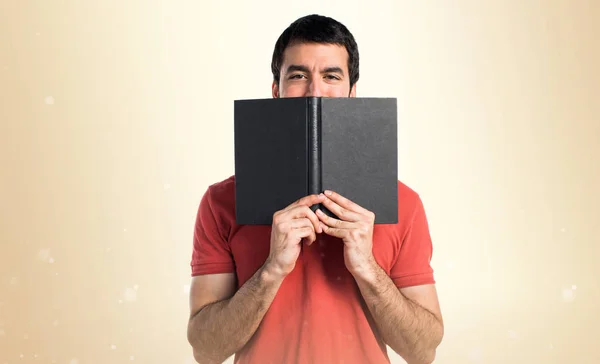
[[283, 227], [343, 213]]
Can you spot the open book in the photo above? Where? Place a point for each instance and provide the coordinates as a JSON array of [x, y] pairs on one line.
[[287, 148]]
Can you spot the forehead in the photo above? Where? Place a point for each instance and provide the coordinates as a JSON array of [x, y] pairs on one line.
[[315, 55]]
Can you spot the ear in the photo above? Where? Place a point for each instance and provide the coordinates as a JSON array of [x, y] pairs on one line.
[[275, 90], [353, 91]]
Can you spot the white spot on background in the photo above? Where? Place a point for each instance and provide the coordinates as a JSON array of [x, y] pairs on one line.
[[573, 287], [49, 100], [55, 323], [563, 230], [450, 264], [43, 255], [125, 230], [568, 295], [130, 295], [186, 289], [74, 361], [14, 281], [108, 250], [131, 357], [113, 347], [512, 334], [166, 186], [38, 34], [2, 333], [136, 287], [476, 355]]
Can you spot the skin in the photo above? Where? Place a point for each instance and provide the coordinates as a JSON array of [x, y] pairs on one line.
[[408, 318], [314, 70]]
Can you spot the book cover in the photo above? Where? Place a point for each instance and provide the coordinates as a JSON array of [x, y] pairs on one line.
[[288, 148]]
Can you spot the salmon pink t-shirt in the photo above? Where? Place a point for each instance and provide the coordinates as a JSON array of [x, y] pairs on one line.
[[318, 315]]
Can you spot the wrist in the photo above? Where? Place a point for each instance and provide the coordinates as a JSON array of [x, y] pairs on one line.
[[271, 274], [367, 272]]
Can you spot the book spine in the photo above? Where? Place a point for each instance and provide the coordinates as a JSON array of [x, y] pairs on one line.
[[314, 146]]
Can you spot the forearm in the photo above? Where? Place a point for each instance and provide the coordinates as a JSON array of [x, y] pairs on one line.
[[409, 329], [220, 329]]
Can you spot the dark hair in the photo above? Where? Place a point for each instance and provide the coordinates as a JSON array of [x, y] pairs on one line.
[[316, 29]]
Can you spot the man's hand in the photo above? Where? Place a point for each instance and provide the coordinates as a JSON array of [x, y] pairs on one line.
[[354, 227], [290, 226]]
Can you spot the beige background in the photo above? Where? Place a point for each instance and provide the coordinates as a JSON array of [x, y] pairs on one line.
[[117, 115]]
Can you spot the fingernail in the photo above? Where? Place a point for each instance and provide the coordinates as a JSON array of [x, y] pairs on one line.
[[328, 193], [319, 212]]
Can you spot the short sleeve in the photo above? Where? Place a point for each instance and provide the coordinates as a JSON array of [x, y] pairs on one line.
[[413, 263], [211, 253]]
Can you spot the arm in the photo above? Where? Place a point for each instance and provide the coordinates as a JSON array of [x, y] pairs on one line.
[[409, 318], [222, 322]]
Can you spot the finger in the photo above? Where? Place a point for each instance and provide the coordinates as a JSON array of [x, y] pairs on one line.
[[302, 212], [304, 232], [332, 222], [306, 201], [341, 212], [336, 232], [295, 224], [345, 202], [310, 239]]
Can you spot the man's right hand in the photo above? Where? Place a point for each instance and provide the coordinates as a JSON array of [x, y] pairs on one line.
[[292, 225]]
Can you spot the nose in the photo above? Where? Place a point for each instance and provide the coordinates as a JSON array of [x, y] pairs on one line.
[[314, 89]]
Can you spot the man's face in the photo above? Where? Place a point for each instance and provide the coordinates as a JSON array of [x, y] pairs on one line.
[[311, 69]]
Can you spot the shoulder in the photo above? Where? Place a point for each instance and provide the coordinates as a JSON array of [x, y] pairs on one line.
[[223, 189], [219, 198], [409, 202]]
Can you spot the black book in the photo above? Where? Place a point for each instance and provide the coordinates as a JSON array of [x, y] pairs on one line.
[[288, 148]]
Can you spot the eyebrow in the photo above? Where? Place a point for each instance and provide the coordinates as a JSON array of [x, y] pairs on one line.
[[300, 68]]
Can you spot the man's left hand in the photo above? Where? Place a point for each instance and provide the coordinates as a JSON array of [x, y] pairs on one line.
[[354, 227]]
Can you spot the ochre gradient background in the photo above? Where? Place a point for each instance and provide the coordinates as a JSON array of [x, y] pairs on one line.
[[116, 116]]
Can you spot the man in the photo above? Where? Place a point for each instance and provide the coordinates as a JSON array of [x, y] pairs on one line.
[[310, 288]]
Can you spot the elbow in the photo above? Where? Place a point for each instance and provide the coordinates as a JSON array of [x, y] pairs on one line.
[[195, 342], [421, 354], [201, 358], [200, 351], [428, 357], [424, 357]]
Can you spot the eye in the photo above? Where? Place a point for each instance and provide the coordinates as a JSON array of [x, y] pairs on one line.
[[296, 76], [332, 77]]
